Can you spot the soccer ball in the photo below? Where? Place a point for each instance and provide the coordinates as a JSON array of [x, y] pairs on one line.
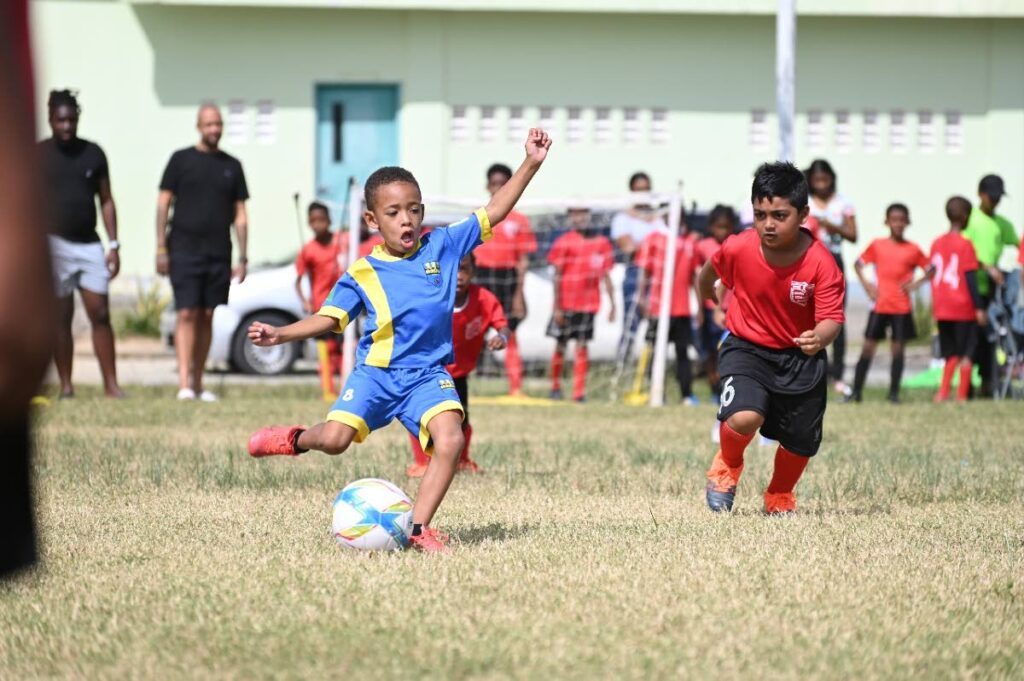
[[372, 515]]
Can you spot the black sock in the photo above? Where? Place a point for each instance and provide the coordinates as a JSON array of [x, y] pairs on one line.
[[861, 374], [417, 529], [295, 442], [896, 373]]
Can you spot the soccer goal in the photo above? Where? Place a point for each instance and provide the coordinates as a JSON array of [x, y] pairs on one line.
[[572, 258]]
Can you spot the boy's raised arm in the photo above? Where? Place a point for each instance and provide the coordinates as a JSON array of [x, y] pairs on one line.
[[537, 144]]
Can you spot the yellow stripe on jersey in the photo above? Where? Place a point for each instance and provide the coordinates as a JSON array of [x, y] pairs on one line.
[[485, 224], [384, 337], [335, 313]]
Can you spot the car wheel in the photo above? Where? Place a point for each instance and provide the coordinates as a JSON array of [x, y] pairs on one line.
[[251, 359]]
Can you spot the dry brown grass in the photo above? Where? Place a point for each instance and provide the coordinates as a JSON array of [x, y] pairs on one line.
[[585, 551]]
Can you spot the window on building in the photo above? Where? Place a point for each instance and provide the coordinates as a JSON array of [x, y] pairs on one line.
[[843, 131], [516, 124], [546, 118], [574, 125], [815, 130], [660, 133], [631, 125], [602, 125], [236, 126], [266, 122], [459, 130], [954, 137], [899, 142], [488, 123], [926, 138], [759, 130], [871, 135]]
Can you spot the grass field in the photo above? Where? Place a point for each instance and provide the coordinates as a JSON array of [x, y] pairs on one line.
[[585, 550]]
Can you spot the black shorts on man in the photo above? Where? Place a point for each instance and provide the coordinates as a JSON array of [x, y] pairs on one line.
[[787, 387], [199, 280], [958, 339], [900, 326], [578, 326]]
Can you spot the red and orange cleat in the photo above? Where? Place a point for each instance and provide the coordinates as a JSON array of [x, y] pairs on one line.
[[429, 541], [275, 441], [720, 492], [779, 503], [467, 465], [416, 470]]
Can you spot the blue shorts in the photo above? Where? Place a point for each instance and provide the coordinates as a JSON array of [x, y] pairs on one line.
[[373, 397]]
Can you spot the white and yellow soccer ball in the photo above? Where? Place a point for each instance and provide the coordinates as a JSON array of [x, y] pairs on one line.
[[372, 515]]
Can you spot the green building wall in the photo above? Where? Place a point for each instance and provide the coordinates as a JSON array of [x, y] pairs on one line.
[[142, 69]]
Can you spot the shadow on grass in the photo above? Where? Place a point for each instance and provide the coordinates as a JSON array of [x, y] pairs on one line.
[[843, 512], [478, 534]]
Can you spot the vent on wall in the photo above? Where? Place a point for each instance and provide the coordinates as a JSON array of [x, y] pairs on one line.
[[899, 141], [926, 138], [871, 135], [659, 127], [236, 127], [954, 132], [488, 124], [574, 125], [844, 132], [266, 122], [459, 130], [631, 125], [602, 125], [759, 130], [516, 124], [815, 130]]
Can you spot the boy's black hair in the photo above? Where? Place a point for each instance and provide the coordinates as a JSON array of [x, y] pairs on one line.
[[59, 98], [820, 165], [316, 205], [636, 177], [781, 179], [500, 168], [958, 210], [897, 206], [472, 259], [723, 212], [383, 176]]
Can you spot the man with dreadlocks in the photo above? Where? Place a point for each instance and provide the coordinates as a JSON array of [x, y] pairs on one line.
[[75, 172]]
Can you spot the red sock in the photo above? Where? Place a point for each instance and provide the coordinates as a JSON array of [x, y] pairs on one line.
[[557, 363], [733, 444], [513, 365], [964, 388], [580, 367], [467, 432], [788, 469], [947, 376], [417, 452]]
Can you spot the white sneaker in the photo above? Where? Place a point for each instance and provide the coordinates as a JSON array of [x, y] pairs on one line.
[[207, 396], [186, 394], [716, 433]]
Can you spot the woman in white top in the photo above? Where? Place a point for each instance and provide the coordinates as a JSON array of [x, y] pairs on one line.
[[838, 221], [629, 228]]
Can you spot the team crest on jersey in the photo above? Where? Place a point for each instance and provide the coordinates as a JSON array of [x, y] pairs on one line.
[[474, 328], [433, 271], [800, 292], [446, 384]]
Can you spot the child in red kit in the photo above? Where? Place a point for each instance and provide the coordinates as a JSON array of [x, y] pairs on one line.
[[786, 307], [582, 261], [895, 260], [321, 260], [722, 223], [650, 259], [477, 310], [956, 301]]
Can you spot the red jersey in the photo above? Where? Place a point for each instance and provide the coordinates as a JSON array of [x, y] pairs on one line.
[[705, 249], [512, 238], [651, 258], [323, 264], [470, 323], [895, 262], [953, 257], [771, 306], [582, 262], [366, 247]]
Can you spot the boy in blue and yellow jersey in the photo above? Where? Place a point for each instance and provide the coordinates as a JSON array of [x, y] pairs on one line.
[[407, 288]]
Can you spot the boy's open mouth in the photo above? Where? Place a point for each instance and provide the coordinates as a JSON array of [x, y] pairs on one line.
[[407, 239]]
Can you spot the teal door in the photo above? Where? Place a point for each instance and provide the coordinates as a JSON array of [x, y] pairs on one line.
[[356, 134]]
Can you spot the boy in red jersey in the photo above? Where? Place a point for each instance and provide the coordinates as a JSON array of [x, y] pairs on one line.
[[722, 222], [501, 268], [320, 260], [786, 307], [895, 260], [581, 261], [956, 301], [477, 310], [650, 259]]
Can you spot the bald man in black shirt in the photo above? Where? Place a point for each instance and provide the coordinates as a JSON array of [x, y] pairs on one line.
[[207, 191]]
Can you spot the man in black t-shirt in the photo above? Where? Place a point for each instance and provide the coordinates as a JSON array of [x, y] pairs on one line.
[[74, 173], [206, 188]]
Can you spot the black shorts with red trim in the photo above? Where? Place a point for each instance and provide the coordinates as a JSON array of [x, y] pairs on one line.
[[958, 339], [501, 281], [900, 326], [787, 387], [577, 326]]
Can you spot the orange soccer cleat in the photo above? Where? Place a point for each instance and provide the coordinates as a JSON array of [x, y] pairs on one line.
[[275, 441], [429, 541], [779, 503], [720, 491]]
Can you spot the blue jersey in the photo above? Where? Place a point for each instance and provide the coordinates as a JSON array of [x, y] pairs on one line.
[[408, 300]]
